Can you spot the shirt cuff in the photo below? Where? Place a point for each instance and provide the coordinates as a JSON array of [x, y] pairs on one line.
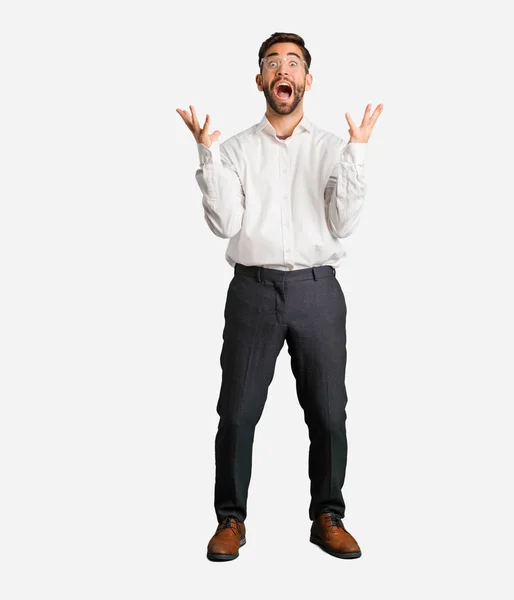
[[209, 155], [354, 152]]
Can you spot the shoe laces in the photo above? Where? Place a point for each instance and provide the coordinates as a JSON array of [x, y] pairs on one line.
[[229, 523], [335, 520]]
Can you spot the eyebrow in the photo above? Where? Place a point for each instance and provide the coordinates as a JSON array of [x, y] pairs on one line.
[[289, 53]]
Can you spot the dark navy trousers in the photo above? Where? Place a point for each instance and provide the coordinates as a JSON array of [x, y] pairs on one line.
[[264, 307]]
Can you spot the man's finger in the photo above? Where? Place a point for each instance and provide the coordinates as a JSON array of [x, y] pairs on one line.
[[196, 124], [185, 116], [350, 121], [376, 113], [366, 114], [206, 124]]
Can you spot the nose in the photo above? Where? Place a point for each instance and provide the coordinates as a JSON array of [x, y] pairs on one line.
[[282, 70]]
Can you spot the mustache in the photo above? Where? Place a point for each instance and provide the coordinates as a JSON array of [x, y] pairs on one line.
[[282, 81]]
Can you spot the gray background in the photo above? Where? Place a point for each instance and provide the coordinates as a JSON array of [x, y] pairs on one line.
[[113, 289]]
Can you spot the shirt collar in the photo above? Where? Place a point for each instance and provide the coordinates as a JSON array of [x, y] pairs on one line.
[[305, 123]]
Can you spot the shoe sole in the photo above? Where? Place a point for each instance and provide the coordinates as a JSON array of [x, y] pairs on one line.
[[324, 547], [223, 557]]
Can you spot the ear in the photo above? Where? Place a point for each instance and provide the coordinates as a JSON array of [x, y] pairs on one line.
[[308, 81], [258, 81]]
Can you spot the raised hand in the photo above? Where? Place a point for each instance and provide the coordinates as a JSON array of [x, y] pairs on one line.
[[362, 134], [201, 134]]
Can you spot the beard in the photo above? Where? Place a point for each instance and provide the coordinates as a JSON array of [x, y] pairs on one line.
[[284, 107]]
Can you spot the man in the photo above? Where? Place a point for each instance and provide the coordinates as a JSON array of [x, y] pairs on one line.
[[285, 192]]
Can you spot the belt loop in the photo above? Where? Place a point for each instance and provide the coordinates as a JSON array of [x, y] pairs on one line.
[[314, 273], [259, 269]]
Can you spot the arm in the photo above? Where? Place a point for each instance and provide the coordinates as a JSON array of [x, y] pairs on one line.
[[346, 190], [223, 195]]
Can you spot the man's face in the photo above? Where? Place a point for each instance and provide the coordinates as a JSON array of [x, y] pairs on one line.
[[282, 102]]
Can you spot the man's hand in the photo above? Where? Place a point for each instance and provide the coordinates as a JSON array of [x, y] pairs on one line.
[[362, 134], [201, 135]]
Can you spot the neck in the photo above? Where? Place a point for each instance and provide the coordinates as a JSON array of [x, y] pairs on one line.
[[284, 125]]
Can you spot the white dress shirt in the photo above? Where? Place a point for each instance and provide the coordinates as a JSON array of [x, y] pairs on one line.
[[284, 203]]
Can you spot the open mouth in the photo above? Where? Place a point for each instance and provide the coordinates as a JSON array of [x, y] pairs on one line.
[[283, 90]]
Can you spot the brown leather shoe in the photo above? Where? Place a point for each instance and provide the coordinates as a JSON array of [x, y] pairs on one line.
[[225, 543], [328, 532]]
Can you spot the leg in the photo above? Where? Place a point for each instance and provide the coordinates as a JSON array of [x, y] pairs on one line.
[[252, 342], [317, 345]]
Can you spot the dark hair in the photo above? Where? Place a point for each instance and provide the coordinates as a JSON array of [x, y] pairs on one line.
[[285, 37]]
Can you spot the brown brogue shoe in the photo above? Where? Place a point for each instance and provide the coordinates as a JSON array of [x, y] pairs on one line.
[[229, 537], [328, 532]]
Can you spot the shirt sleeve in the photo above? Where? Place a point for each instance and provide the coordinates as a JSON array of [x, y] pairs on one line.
[[223, 197], [346, 190]]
